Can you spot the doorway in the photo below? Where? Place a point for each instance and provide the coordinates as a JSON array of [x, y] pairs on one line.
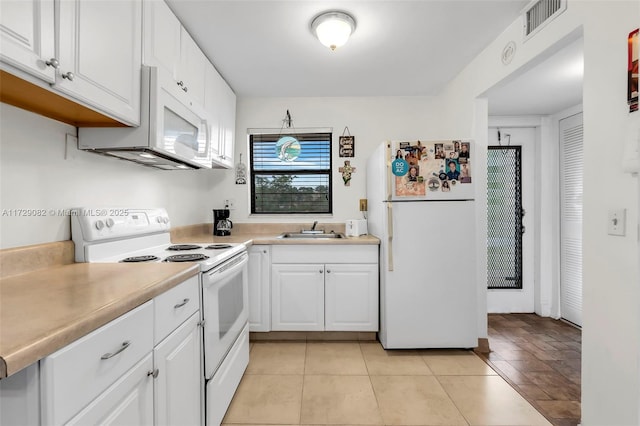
[[511, 161]]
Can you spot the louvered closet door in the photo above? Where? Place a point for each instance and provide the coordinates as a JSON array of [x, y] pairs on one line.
[[571, 160]]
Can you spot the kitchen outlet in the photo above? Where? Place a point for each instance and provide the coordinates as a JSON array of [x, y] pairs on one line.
[[617, 222], [230, 203], [70, 147]]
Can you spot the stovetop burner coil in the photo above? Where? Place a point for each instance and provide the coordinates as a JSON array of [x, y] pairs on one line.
[[135, 259], [180, 247], [218, 246], [186, 257]]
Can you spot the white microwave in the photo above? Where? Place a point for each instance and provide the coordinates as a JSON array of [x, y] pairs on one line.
[[173, 133]]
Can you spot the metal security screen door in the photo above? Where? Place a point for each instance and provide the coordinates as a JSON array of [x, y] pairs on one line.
[[504, 217]]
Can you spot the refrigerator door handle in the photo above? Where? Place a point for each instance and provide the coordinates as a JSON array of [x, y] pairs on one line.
[[388, 174], [390, 236], [389, 183]]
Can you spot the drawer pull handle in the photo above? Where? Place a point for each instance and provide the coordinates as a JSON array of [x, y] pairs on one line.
[[181, 304], [153, 373], [124, 346]]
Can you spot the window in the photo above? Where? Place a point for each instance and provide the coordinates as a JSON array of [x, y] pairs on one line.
[[290, 173]]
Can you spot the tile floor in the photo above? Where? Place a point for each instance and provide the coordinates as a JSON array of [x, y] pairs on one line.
[[540, 358], [351, 383]]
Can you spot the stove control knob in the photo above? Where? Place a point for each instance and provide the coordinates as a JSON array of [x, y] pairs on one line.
[[99, 225], [165, 219], [110, 222], [159, 219]]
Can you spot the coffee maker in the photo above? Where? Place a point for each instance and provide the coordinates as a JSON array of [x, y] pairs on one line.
[[221, 223]]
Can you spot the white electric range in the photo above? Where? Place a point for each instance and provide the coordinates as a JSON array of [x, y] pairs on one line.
[[142, 235]]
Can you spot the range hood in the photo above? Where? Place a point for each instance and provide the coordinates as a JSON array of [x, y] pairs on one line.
[[173, 134], [148, 157]]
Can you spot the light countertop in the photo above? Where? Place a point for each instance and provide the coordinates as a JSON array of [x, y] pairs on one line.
[[267, 234], [45, 310]]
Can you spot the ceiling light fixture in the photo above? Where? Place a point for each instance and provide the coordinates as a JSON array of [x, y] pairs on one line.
[[333, 28]]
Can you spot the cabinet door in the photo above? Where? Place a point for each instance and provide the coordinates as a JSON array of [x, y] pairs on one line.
[[27, 37], [351, 297], [129, 401], [228, 125], [213, 106], [161, 32], [178, 387], [20, 397], [297, 297], [192, 70], [100, 53], [259, 288]]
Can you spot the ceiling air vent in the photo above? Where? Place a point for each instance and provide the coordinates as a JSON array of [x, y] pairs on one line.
[[539, 13]]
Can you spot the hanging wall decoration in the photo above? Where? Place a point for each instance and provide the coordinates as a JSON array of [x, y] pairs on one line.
[[241, 173], [346, 171], [346, 144], [632, 71], [287, 147]]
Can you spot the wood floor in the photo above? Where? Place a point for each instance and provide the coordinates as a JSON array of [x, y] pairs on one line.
[[540, 358]]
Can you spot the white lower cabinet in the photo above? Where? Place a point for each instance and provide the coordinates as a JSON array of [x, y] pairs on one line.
[[340, 294], [351, 297], [129, 401], [177, 389], [20, 397], [297, 297], [259, 288], [142, 368], [74, 376]]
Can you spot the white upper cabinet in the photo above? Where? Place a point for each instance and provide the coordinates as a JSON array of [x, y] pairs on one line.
[[192, 70], [161, 31], [27, 39], [227, 138], [220, 104], [168, 46], [100, 55]]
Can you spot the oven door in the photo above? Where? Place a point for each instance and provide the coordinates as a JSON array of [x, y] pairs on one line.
[[180, 128], [225, 307]]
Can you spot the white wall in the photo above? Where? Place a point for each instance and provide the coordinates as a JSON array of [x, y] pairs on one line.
[[611, 329], [35, 175], [371, 120]]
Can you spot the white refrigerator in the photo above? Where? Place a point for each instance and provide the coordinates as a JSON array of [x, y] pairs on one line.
[[421, 207]]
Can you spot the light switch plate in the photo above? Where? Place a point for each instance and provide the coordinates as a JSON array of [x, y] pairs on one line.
[[617, 222]]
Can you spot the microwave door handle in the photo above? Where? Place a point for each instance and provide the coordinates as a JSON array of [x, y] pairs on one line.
[[207, 137]]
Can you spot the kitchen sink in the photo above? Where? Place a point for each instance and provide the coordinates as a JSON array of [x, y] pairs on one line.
[[309, 235]]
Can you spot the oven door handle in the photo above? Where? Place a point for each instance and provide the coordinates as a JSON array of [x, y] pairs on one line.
[[227, 269]]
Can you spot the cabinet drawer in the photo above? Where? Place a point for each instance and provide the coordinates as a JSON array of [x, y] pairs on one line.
[[173, 307], [76, 374], [325, 253]]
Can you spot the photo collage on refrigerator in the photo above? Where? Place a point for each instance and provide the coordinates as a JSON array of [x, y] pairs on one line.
[[423, 167]]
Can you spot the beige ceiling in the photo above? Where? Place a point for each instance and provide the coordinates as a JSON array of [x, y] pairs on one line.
[[399, 48]]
